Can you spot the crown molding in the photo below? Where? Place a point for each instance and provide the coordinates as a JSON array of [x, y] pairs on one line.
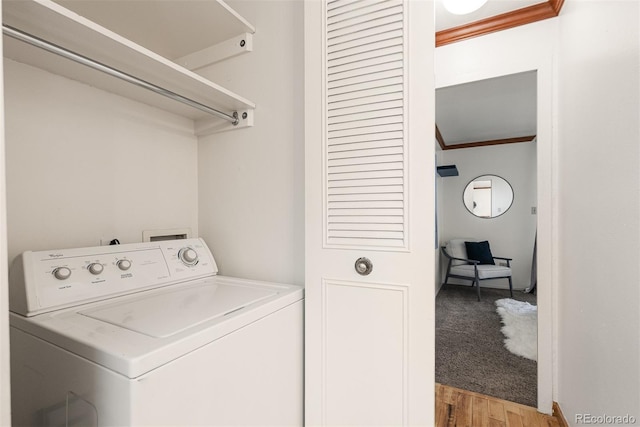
[[528, 138], [526, 15]]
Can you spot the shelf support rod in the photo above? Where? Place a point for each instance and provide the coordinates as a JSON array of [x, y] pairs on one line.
[[59, 50]]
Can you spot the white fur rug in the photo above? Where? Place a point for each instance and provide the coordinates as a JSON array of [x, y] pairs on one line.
[[520, 328]]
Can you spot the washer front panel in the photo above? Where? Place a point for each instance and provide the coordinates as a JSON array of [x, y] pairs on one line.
[[50, 280]]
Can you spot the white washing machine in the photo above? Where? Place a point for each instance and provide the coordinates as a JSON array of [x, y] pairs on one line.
[[148, 334]]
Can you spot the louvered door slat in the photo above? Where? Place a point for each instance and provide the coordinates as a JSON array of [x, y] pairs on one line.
[[368, 130], [377, 36], [369, 183], [368, 13], [357, 10], [380, 219], [366, 123], [370, 76], [338, 114], [380, 85], [366, 160], [356, 191], [381, 139], [335, 70], [355, 30], [353, 226], [367, 234], [336, 107], [354, 38], [364, 204], [371, 174], [356, 96], [343, 122], [379, 41], [369, 212], [379, 152], [368, 197], [365, 154], [373, 72], [365, 167], [348, 76], [369, 54], [341, 6], [333, 5]]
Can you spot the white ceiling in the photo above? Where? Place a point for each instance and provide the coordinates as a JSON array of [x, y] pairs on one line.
[[445, 20], [488, 110]]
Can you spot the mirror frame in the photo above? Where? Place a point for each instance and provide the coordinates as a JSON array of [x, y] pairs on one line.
[[513, 195]]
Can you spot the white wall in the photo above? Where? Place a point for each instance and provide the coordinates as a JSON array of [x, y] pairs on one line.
[[595, 294], [599, 131], [83, 164], [251, 181], [510, 234]]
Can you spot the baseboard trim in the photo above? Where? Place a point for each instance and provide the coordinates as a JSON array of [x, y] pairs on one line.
[[557, 413]]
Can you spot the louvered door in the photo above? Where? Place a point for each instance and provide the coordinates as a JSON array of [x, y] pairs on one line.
[[365, 105], [369, 193]]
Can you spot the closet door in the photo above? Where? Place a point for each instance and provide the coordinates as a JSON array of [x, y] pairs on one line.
[[369, 126]]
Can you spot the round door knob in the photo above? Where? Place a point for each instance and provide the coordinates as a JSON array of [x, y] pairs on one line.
[[95, 268], [123, 264], [363, 266], [62, 273], [188, 256]]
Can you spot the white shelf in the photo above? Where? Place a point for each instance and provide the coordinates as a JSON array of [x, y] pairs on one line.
[[56, 24], [186, 26]]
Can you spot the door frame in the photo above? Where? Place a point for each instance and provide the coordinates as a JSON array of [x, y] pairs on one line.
[[530, 48]]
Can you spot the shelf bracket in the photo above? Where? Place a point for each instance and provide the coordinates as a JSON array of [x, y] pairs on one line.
[[208, 126], [218, 52]]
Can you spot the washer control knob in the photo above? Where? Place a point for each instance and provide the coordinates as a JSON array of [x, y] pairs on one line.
[[188, 256], [95, 268], [62, 273], [123, 264]]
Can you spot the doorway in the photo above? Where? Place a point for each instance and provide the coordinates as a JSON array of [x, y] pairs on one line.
[[487, 129], [494, 56]]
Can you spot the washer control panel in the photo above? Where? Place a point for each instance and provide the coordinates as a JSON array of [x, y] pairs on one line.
[[45, 281]]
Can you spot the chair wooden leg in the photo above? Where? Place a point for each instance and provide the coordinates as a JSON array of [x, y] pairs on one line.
[[446, 278], [510, 287]]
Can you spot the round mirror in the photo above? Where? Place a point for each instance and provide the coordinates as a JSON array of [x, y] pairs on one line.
[[488, 196]]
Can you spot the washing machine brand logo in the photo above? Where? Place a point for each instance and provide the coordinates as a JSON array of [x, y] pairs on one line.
[[55, 255]]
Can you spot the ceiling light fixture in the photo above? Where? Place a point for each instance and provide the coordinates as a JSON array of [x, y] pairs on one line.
[[462, 7]]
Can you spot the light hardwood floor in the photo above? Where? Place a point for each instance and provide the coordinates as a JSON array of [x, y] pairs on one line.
[[461, 408]]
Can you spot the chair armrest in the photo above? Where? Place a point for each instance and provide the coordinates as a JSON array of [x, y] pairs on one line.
[[468, 261], [505, 259]]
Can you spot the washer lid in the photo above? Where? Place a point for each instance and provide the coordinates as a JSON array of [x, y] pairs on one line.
[[169, 313]]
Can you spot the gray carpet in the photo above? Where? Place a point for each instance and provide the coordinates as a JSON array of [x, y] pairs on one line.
[[470, 353]]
